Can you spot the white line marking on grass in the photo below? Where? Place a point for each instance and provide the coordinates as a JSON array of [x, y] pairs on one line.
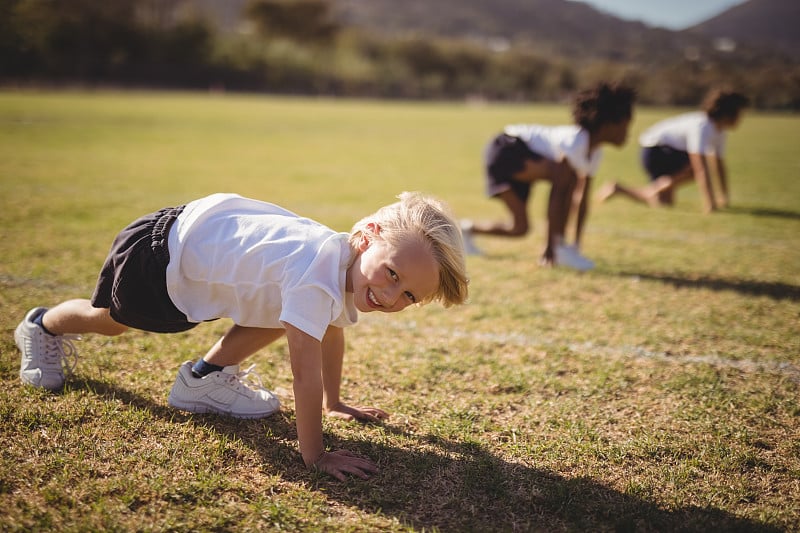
[[745, 365], [789, 370]]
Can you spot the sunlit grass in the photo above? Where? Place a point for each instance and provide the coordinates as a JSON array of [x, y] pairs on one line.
[[657, 392]]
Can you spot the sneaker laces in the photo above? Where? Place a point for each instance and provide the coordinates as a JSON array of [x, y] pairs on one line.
[[60, 350], [248, 378]]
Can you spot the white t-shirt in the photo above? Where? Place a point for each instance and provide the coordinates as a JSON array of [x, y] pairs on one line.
[[557, 143], [258, 264], [692, 132]]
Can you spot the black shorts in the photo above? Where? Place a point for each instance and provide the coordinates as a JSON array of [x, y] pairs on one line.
[[505, 156], [133, 282], [663, 161]]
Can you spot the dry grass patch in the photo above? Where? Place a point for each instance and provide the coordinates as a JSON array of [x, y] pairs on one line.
[[656, 393]]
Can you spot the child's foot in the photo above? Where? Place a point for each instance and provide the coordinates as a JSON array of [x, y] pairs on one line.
[[468, 237], [607, 191], [569, 256], [44, 356], [223, 392]]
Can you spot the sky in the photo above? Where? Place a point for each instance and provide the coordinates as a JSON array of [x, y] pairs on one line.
[[672, 14]]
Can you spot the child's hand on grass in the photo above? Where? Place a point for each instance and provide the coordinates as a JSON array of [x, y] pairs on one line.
[[366, 414], [548, 258], [342, 462]]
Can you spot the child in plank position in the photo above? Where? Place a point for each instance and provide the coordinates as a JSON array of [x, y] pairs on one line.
[[683, 148], [567, 157], [273, 273]]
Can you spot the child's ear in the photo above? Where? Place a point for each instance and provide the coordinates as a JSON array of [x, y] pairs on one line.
[[372, 230], [363, 242]]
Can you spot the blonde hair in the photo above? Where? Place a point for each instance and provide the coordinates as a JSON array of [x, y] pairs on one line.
[[428, 218]]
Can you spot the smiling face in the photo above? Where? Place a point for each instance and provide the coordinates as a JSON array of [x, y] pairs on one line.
[[388, 278]]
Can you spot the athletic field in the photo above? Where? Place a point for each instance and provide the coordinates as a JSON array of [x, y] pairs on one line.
[[658, 392]]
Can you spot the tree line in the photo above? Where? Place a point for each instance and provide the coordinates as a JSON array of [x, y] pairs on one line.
[[296, 46]]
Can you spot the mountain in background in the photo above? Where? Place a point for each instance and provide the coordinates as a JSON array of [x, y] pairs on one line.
[[554, 27], [575, 29], [767, 23], [561, 27]]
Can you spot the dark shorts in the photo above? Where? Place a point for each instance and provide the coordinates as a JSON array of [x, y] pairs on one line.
[[662, 160], [133, 282], [505, 156]]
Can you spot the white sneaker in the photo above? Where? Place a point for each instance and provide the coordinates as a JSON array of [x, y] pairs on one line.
[[468, 238], [44, 356], [223, 392], [569, 256]]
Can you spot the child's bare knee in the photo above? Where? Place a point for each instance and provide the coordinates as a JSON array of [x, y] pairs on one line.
[[115, 329], [106, 325]]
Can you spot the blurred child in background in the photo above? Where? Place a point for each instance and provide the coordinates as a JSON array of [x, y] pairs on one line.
[[565, 156], [685, 147]]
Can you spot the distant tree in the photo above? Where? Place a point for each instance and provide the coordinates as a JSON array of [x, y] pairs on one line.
[[304, 21], [85, 39], [16, 57]]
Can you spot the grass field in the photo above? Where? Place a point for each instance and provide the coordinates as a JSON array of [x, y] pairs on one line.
[[659, 392]]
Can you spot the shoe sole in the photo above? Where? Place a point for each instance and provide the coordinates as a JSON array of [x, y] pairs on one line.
[[204, 408], [200, 407]]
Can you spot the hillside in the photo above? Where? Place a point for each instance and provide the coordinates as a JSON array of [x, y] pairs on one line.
[[766, 23], [554, 27], [561, 27]]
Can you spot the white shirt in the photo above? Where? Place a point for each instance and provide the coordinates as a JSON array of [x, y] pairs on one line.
[[692, 132], [258, 264], [557, 143]]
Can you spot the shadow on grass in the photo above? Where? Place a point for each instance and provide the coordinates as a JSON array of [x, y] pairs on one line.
[[462, 486], [440, 484], [771, 289], [762, 212]]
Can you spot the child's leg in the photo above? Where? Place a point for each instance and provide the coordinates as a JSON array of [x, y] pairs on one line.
[[667, 168], [664, 187], [659, 191], [79, 316], [646, 195], [44, 338], [239, 343], [209, 387], [519, 225]]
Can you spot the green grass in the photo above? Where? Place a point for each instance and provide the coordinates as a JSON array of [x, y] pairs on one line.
[[658, 392]]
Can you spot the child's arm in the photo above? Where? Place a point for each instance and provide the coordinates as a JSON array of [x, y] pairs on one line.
[[305, 353], [580, 204], [722, 174], [332, 357], [703, 179]]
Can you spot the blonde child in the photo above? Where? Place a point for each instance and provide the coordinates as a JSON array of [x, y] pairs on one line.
[[273, 273]]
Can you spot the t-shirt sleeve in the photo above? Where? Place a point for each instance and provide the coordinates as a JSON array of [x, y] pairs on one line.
[[309, 309], [576, 154], [315, 300], [701, 140]]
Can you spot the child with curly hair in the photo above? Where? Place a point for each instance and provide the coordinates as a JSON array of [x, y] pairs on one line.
[[565, 156], [683, 148]]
